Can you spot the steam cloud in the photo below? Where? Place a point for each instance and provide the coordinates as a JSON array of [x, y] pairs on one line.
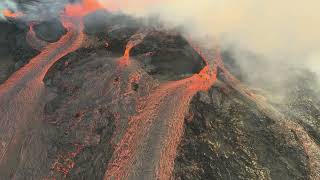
[[280, 34], [34, 10]]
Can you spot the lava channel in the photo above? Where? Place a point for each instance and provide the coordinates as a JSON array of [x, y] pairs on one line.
[[22, 94], [148, 147]]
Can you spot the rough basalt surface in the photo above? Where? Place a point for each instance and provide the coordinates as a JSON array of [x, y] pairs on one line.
[[14, 49], [225, 135]]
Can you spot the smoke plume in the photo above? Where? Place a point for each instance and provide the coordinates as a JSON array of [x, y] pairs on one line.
[[33, 10], [268, 38], [7, 4]]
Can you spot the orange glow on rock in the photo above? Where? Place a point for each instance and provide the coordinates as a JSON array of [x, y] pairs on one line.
[[22, 94], [125, 60], [134, 40], [163, 110], [154, 132], [9, 14], [86, 7]]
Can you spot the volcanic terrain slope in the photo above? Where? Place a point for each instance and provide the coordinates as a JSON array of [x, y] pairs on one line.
[[106, 96]]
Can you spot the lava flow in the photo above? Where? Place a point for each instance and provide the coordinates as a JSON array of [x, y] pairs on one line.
[[134, 41], [147, 150], [21, 95], [148, 147]]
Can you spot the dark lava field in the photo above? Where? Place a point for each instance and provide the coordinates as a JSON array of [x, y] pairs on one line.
[[134, 102]]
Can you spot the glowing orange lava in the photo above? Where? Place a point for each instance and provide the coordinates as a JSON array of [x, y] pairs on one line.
[[9, 14], [125, 60], [155, 131], [147, 149], [134, 40], [86, 7], [21, 96]]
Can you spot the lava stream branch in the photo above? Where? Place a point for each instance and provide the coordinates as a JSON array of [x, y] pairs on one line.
[[21, 95], [124, 62], [134, 40], [148, 147], [126, 74]]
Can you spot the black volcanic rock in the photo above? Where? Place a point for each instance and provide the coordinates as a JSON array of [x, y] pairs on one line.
[[89, 102], [16, 41], [102, 21], [50, 30], [14, 49], [5, 39], [229, 138], [115, 29], [171, 56]]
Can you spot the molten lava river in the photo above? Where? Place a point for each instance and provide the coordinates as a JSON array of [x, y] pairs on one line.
[[146, 149]]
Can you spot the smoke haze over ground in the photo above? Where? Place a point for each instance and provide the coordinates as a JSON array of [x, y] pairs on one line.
[[277, 30], [282, 34]]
